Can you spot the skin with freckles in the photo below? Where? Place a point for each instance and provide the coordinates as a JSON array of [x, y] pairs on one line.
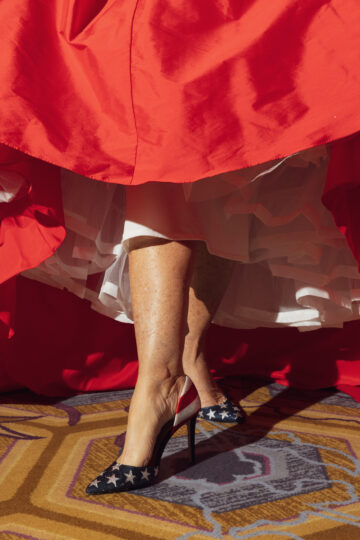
[[176, 288], [160, 275], [210, 278]]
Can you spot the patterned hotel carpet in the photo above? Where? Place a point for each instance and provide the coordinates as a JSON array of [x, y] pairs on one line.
[[291, 472]]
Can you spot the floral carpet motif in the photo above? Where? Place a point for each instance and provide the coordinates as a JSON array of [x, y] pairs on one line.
[[292, 471]]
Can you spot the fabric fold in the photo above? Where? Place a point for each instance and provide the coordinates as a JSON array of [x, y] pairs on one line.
[[293, 266], [136, 91]]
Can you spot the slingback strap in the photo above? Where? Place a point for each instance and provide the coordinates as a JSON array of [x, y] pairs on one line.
[[188, 404]]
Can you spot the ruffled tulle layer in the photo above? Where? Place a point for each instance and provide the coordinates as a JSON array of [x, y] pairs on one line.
[[293, 268]]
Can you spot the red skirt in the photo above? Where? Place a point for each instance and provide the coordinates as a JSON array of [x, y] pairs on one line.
[[176, 90], [166, 91]]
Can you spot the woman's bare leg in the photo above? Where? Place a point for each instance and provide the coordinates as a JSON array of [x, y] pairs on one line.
[[175, 290], [211, 276], [160, 273]]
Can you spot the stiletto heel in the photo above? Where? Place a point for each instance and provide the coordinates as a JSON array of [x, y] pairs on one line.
[[126, 477], [191, 438]]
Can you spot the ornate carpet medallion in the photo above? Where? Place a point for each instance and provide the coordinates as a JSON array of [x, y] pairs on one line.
[[292, 471]]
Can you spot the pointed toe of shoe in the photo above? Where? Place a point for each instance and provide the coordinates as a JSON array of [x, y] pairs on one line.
[[92, 489], [118, 478]]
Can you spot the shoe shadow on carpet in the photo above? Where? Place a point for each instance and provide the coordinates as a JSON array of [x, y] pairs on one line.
[[214, 440]]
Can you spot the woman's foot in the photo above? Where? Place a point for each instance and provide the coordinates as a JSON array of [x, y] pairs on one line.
[[215, 404], [152, 405], [176, 402]]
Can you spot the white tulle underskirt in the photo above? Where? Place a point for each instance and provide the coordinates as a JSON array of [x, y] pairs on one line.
[[293, 267]]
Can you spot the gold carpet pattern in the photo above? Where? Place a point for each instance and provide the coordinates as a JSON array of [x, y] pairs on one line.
[[292, 471]]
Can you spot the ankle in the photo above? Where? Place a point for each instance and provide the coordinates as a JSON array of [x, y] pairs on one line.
[[158, 396], [158, 373], [157, 399], [159, 378], [209, 391]]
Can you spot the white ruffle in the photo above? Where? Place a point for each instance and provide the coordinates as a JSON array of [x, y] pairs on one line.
[[12, 186], [293, 267]]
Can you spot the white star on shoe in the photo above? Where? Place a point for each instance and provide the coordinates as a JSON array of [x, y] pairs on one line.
[[112, 479], [200, 414], [130, 477], [211, 414], [223, 405], [224, 415], [95, 483], [116, 467], [145, 475]]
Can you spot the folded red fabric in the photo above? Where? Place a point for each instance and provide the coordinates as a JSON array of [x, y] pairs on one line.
[[176, 90]]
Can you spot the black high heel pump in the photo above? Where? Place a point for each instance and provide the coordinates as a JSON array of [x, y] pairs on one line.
[[127, 477]]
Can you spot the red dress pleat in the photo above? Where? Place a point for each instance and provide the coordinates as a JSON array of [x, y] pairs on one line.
[[176, 90]]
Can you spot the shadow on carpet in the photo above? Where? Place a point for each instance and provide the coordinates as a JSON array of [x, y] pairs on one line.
[[292, 471]]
